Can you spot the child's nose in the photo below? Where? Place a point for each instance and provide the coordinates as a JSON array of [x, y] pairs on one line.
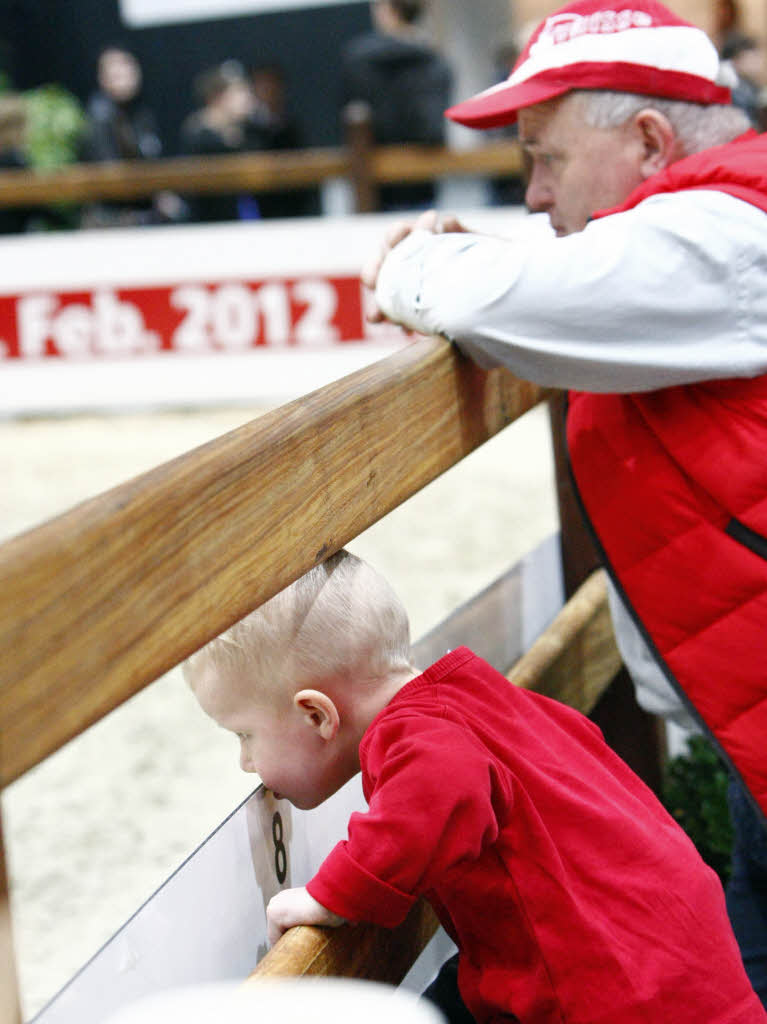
[[246, 763]]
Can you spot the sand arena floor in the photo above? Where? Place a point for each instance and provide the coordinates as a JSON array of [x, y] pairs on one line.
[[97, 827]]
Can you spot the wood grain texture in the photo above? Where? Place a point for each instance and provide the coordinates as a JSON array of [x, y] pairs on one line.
[[393, 164], [104, 599], [352, 951], [576, 658]]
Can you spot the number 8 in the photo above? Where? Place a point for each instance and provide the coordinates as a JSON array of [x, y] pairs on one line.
[[280, 853]]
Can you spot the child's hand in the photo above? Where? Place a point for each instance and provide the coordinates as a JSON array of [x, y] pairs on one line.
[[295, 906]]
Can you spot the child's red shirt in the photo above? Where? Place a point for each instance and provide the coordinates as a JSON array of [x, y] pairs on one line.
[[572, 895]]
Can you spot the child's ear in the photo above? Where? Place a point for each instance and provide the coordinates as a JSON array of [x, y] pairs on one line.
[[319, 712]]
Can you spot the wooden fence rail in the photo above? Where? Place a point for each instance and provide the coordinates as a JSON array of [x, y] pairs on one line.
[[100, 601], [364, 165]]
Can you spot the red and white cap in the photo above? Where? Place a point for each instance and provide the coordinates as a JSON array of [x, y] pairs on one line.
[[636, 46]]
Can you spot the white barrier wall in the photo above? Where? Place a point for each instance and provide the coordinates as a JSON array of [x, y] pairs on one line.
[[192, 315]]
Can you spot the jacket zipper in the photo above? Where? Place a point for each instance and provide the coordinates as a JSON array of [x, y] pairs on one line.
[[747, 537]]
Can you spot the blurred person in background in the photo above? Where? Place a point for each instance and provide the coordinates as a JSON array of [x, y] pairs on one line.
[[508, 189], [122, 127], [222, 124], [274, 126], [405, 83], [270, 115], [744, 55]]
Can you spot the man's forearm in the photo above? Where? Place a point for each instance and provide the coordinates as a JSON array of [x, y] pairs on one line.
[[636, 302]]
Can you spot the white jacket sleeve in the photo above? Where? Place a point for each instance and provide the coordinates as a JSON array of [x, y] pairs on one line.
[[671, 292]]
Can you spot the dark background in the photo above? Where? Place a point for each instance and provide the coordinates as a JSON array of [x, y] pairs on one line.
[[44, 41]]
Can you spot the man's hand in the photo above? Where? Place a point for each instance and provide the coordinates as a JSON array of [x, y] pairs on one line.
[[291, 907], [429, 221]]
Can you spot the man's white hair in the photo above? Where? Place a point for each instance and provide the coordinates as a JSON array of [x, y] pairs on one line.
[[341, 620], [697, 126]]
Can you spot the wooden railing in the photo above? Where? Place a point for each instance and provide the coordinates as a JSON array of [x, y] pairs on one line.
[[364, 165], [209, 536]]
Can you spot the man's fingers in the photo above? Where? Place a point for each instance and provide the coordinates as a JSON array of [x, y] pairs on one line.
[[428, 221], [451, 223], [401, 229], [393, 237], [431, 221], [369, 274]]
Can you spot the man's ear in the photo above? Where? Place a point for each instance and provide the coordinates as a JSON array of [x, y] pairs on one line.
[[319, 712], [660, 146]]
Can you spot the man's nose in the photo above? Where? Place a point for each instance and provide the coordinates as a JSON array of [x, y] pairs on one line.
[[538, 196]]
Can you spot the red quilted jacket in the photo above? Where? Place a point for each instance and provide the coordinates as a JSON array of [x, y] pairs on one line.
[[674, 483]]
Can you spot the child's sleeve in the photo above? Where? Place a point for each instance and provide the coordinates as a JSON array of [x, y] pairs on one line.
[[437, 799]]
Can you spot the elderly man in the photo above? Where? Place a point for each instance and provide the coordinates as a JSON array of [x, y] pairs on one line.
[[650, 301]]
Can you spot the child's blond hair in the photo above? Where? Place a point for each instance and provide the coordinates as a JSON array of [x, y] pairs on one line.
[[341, 620]]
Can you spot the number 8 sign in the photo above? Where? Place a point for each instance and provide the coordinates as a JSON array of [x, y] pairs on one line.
[[280, 851], [270, 828]]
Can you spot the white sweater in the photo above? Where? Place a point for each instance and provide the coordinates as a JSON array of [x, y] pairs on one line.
[[671, 292]]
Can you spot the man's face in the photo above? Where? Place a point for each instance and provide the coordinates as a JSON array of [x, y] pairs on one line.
[[576, 170]]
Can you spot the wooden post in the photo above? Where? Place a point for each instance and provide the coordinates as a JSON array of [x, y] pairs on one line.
[[579, 556], [358, 127], [635, 735]]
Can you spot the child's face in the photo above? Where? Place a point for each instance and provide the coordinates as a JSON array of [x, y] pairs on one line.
[[275, 740]]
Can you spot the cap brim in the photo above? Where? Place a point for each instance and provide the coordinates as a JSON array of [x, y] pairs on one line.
[[498, 105]]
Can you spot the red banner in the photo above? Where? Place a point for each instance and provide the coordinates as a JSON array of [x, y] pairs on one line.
[[198, 317]]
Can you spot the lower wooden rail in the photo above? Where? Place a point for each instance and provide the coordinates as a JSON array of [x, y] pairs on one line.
[[576, 658], [574, 661], [352, 951]]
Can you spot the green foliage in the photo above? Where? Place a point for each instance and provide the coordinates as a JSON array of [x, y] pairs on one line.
[[695, 793], [55, 125]]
